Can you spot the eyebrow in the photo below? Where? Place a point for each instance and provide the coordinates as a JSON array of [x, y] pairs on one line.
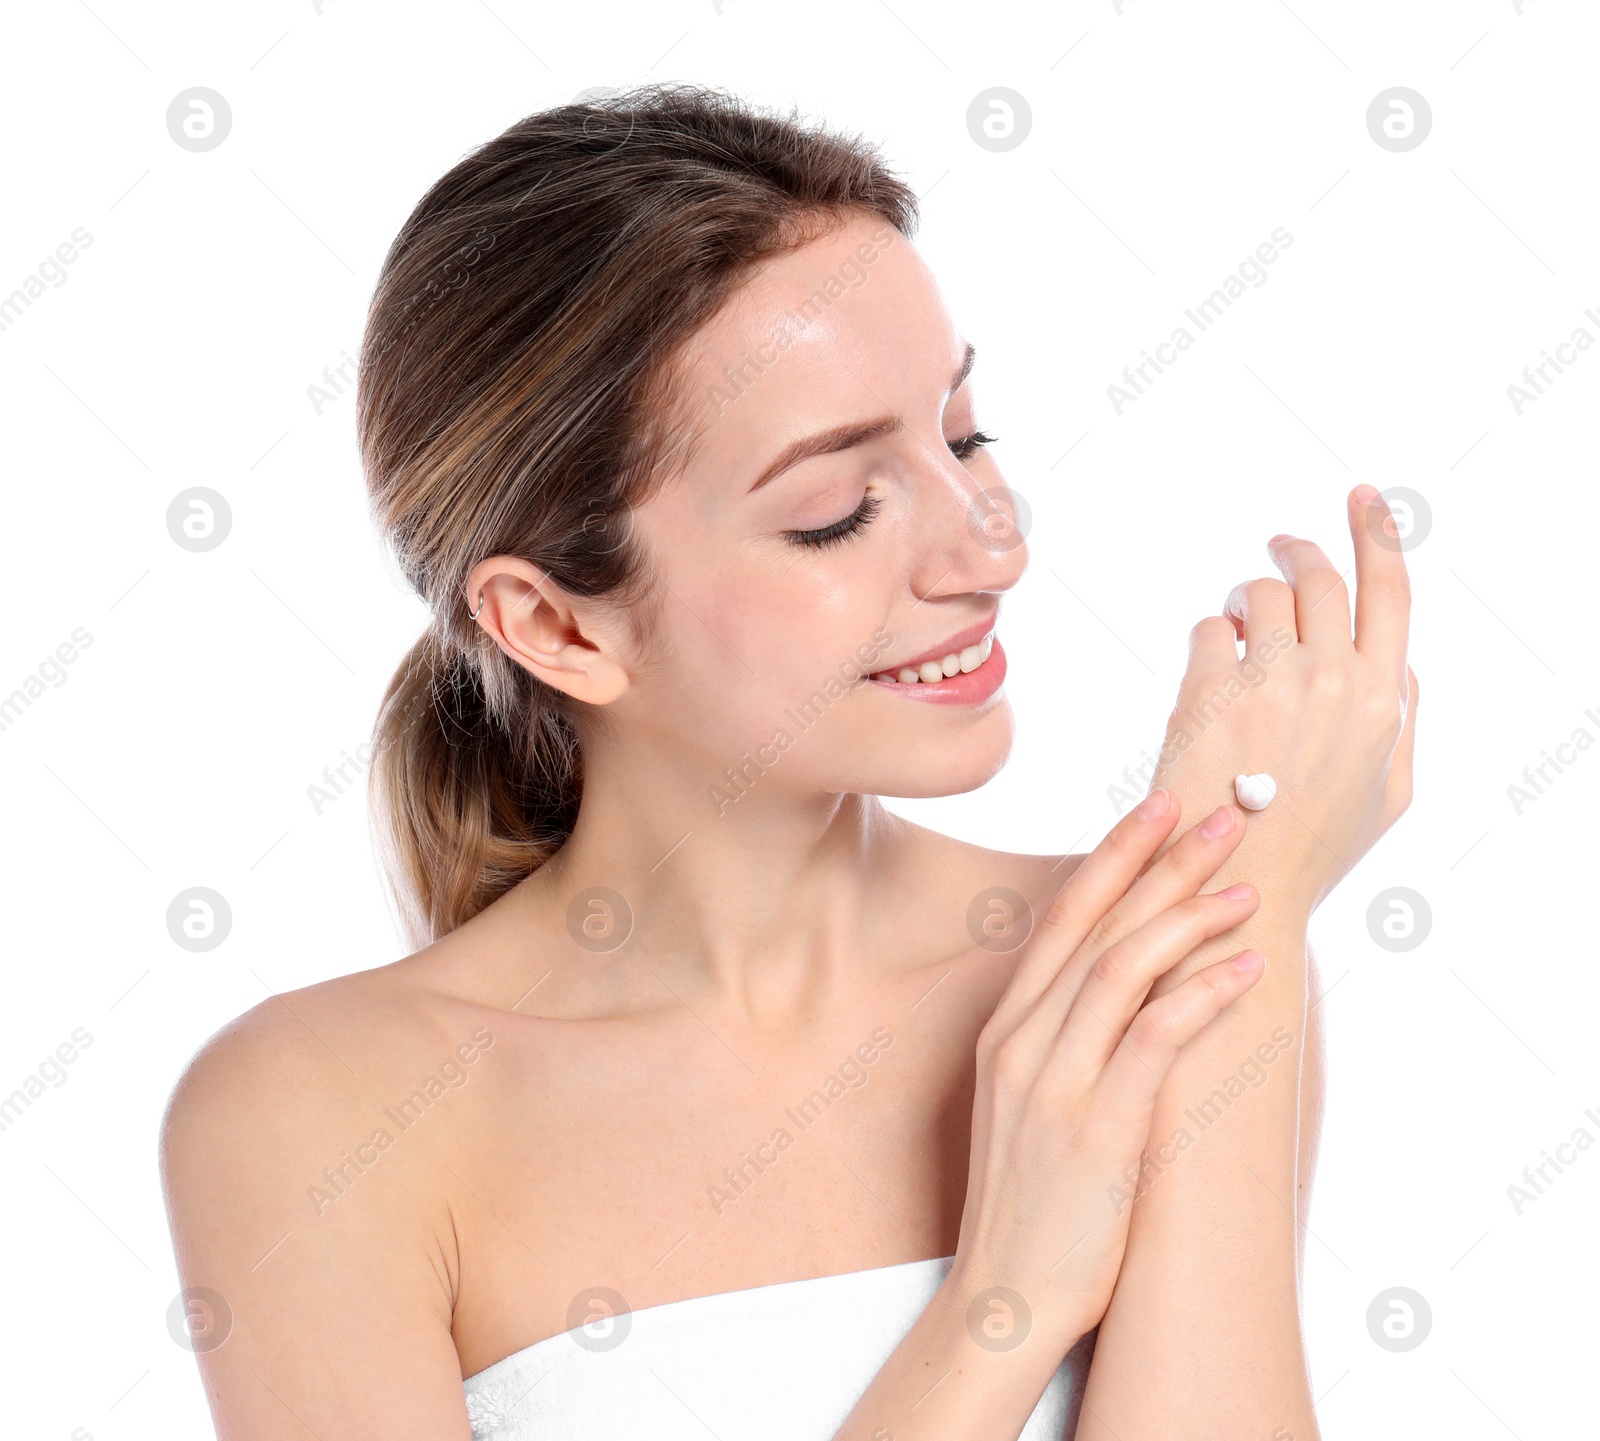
[[844, 437]]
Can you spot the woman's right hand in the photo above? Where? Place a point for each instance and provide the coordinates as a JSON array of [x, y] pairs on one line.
[[1069, 1066]]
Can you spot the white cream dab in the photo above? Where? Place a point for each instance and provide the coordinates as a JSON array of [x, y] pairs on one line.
[[1255, 792]]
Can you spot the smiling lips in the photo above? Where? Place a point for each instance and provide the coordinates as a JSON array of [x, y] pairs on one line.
[[955, 662], [970, 670]]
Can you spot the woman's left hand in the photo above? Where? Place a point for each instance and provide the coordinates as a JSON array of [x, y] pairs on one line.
[[1328, 713]]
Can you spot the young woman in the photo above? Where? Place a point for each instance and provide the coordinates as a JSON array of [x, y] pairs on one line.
[[716, 1100]]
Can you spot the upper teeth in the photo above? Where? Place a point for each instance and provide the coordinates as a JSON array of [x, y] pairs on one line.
[[931, 670]]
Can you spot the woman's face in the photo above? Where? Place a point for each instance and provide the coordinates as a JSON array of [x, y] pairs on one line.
[[789, 573]]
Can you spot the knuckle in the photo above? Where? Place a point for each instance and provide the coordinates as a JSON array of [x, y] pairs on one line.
[[1213, 980], [1056, 913], [1392, 589], [1383, 713], [1153, 1029], [1266, 590], [1328, 683], [1008, 1067], [1190, 859], [1105, 932], [1111, 966], [1210, 628], [1198, 918], [1324, 582]]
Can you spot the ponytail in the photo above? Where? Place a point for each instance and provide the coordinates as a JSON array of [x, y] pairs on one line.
[[470, 798]]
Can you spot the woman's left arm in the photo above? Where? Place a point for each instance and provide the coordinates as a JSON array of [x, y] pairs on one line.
[[1203, 1336]]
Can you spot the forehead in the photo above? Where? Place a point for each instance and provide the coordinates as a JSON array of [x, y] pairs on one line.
[[847, 327]]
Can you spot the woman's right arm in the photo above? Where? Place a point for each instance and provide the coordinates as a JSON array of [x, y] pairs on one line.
[[1068, 1070], [317, 1293]]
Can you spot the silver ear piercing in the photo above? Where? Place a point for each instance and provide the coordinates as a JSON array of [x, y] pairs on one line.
[[473, 614]]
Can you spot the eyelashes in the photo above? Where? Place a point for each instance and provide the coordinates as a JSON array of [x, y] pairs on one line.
[[963, 448], [840, 529], [969, 445]]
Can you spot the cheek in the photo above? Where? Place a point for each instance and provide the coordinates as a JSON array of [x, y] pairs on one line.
[[764, 625], [789, 614]]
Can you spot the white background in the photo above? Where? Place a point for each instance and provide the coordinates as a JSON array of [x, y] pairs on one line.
[[1166, 143]]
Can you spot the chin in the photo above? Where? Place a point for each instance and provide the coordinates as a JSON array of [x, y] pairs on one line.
[[969, 757]]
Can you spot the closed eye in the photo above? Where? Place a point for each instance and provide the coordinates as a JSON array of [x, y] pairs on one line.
[[963, 448], [969, 445], [840, 530]]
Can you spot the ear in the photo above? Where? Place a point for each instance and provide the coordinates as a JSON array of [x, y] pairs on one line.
[[563, 639]]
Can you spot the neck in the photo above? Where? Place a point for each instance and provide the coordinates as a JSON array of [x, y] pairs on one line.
[[771, 906]]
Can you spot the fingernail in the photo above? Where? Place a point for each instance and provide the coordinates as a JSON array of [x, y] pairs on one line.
[[1218, 823], [1367, 495], [1236, 893], [1282, 535], [1154, 806], [1248, 960]]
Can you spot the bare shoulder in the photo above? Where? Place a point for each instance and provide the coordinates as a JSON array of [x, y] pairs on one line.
[[305, 1052], [976, 905], [297, 1090], [287, 1187], [966, 870]]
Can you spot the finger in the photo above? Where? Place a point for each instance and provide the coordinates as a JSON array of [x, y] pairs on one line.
[[1397, 785], [1214, 644], [1265, 608], [1383, 587], [1181, 870], [1175, 877], [1162, 1028], [1321, 602], [1117, 984], [1101, 878]]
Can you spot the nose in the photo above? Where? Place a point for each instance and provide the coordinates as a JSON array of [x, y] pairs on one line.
[[971, 531]]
